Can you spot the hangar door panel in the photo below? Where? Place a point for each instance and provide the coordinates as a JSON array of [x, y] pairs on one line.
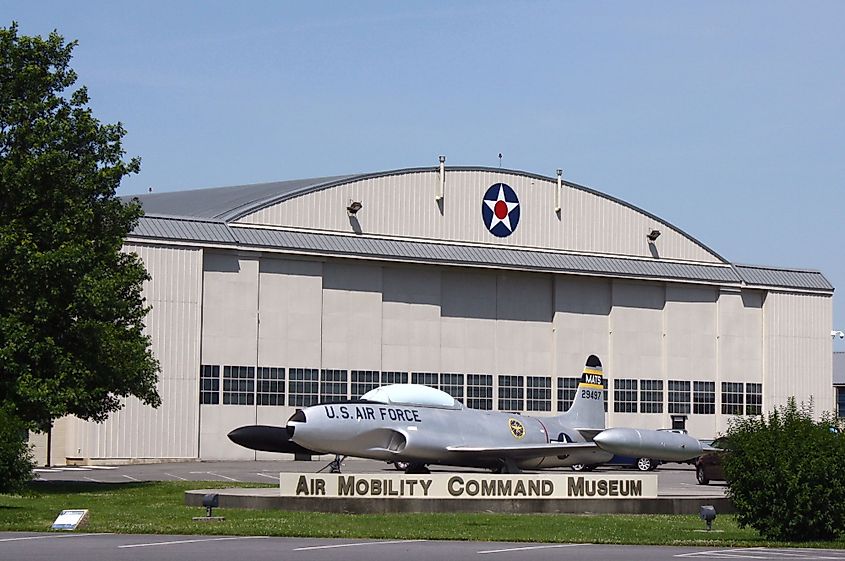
[[582, 310], [411, 319]]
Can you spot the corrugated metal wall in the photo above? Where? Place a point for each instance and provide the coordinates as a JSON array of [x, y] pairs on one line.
[[798, 355], [138, 431], [404, 205]]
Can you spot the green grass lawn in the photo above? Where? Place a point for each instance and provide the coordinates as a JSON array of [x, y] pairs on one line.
[[158, 507]]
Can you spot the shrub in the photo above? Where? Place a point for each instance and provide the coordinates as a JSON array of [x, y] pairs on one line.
[[786, 474], [16, 461]]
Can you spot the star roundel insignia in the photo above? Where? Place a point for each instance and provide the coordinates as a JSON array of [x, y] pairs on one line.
[[500, 210], [517, 429]]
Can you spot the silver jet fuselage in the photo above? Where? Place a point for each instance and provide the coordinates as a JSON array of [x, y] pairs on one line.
[[425, 434]]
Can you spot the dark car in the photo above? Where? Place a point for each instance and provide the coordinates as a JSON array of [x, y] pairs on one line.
[[710, 465]]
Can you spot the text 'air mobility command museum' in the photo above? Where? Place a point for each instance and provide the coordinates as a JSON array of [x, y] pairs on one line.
[[492, 285]]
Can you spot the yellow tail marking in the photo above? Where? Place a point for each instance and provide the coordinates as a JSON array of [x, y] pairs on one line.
[[594, 386]]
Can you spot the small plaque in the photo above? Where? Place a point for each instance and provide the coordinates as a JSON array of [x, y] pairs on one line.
[[70, 519]]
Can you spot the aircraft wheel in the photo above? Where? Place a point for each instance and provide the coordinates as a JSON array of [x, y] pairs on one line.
[[417, 469], [700, 476], [401, 466], [581, 467], [646, 464]]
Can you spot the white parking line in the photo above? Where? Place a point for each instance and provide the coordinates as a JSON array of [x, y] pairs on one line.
[[276, 477], [94, 480], [51, 537], [177, 542], [526, 548], [175, 476], [353, 545], [763, 553], [223, 476], [129, 477]]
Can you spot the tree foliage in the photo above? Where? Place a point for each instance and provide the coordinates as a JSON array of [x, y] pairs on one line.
[[71, 310], [15, 457], [786, 474]]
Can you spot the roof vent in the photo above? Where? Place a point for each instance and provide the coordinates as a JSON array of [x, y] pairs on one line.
[[441, 183]]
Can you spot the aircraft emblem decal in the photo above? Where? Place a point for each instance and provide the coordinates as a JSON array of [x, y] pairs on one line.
[[517, 429], [500, 210]]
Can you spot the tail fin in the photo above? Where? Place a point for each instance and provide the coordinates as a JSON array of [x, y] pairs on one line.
[[587, 411]]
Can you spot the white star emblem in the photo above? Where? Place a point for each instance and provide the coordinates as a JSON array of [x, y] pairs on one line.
[[501, 210]]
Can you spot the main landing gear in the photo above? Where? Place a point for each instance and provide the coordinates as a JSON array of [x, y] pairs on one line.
[[334, 465]]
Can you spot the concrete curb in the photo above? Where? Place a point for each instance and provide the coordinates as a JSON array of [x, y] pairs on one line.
[[268, 498]]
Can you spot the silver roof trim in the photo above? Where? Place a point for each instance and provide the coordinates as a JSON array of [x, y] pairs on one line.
[[211, 232]]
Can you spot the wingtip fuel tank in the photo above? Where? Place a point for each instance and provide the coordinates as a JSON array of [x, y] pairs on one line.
[[645, 443]]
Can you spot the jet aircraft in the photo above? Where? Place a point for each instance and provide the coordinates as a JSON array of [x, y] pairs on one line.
[[422, 426]]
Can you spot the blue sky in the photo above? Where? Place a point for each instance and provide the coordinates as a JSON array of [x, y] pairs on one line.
[[725, 118]]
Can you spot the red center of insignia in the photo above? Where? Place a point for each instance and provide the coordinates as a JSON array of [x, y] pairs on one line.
[[501, 209]]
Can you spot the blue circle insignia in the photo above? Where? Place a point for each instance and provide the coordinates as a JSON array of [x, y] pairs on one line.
[[500, 210]]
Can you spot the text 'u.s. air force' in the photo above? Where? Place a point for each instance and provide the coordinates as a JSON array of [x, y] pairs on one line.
[[368, 413]]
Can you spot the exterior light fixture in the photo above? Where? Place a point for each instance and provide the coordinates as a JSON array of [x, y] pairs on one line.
[[708, 514], [354, 207], [835, 334], [653, 235], [209, 501]]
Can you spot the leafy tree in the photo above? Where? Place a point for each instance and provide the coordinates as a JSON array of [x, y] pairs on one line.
[[786, 474], [71, 310]]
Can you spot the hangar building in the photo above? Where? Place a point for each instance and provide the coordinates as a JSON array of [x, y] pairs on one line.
[[493, 285]]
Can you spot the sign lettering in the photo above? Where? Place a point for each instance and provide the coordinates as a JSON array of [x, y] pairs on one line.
[[470, 486]]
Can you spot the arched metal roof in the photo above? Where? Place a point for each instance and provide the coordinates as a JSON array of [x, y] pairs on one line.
[[207, 216]]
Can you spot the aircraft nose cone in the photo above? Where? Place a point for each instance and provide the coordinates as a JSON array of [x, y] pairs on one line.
[[265, 438]]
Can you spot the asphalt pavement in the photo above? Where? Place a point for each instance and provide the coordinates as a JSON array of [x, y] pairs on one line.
[[106, 547]]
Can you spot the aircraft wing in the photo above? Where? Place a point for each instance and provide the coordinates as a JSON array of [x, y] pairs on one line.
[[524, 451]]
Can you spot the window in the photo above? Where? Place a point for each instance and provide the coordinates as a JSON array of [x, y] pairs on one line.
[[332, 386], [480, 391], [539, 393], [453, 384], [651, 396], [303, 387], [209, 384], [679, 397], [704, 398], [753, 399], [394, 378], [604, 383], [625, 396], [511, 393], [271, 386], [566, 389], [363, 381], [425, 378], [732, 398], [840, 401], [238, 385]]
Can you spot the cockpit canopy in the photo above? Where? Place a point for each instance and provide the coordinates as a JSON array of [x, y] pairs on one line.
[[412, 394]]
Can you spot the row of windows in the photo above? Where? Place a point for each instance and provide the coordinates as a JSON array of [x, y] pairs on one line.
[[309, 386], [738, 398]]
